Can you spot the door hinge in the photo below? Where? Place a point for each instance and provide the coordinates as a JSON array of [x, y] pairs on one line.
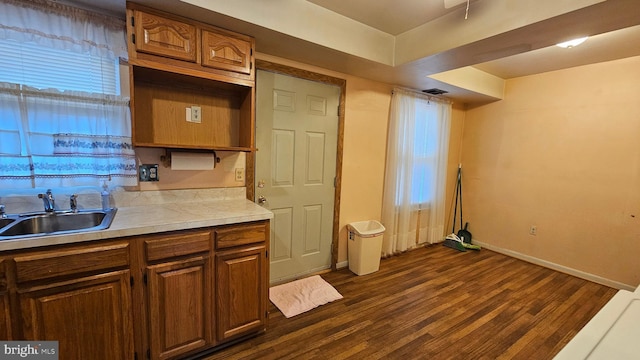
[[133, 38], [131, 280], [266, 254], [144, 279]]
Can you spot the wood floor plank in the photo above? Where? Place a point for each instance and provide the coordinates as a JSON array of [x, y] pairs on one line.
[[435, 303]]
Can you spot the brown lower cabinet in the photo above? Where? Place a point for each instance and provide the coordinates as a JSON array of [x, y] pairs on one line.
[[179, 298], [157, 296], [77, 295], [241, 281], [90, 317], [5, 309]]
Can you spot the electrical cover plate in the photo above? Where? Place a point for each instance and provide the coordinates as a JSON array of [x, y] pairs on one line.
[[148, 172]]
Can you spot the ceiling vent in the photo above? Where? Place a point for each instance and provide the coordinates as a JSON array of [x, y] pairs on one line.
[[435, 91]]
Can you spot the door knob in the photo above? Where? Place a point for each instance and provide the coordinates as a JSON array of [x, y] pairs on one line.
[[262, 199]]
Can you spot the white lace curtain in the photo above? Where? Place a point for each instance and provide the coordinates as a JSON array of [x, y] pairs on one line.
[[64, 122], [413, 210]]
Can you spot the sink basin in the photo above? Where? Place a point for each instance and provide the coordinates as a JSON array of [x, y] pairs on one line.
[[5, 221], [58, 223]]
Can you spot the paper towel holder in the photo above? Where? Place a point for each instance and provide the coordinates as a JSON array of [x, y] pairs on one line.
[[165, 159]]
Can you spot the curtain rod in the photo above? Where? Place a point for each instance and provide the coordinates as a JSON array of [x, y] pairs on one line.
[[422, 95]]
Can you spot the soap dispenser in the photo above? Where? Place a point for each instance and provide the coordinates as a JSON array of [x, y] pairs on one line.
[[104, 195]]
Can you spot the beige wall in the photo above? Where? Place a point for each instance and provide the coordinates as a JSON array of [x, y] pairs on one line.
[[560, 152], [222, 175], [365, 141], [458, 114]]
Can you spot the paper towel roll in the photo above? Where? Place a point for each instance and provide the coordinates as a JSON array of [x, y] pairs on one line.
[[192, 161]]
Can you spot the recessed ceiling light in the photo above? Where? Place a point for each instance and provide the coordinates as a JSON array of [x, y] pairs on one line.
[[572, 43]]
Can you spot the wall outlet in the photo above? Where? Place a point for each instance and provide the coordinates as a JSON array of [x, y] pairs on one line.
[[239, 174], [148, 172], [533, 230], [193, 114], [196, 114]]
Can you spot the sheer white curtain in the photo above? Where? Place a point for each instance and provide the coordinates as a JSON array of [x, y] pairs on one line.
[[414, 189], [64, 121]]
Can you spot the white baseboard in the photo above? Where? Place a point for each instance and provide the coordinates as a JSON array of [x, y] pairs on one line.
[[557, 267]]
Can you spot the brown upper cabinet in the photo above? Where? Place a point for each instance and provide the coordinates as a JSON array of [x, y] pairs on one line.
[[225, 52], [165, 37], [192, 84]]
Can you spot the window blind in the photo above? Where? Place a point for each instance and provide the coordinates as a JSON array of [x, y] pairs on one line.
[[47, 68]]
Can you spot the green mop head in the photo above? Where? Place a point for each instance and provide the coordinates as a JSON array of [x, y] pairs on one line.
[[470, 246]]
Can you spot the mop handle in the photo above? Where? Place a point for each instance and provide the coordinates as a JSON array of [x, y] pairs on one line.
[[455, 204]]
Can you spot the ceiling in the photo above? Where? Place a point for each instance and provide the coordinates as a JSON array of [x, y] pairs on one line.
[[388, 15], [424, 44]]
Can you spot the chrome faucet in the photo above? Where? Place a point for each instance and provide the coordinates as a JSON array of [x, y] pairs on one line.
[[73, 203], [48, 200]]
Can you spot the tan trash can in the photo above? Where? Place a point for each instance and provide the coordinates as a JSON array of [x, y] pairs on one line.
[[365, 246]]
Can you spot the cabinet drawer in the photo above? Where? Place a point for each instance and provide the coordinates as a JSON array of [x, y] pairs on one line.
[[235, 235], [179, 244], [71, 261]]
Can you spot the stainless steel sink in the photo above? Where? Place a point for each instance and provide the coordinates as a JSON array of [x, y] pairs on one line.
[[57, 223], [5, 221]]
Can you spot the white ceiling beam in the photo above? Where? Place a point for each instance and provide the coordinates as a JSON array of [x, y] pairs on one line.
[[474, 80], [309, 22], [486, 18]]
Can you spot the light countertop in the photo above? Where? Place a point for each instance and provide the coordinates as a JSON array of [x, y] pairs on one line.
[[156, 218], [611, 334]]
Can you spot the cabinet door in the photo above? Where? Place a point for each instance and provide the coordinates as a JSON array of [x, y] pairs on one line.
[[225, 52], [90, 317], [5, 310], [180, 307], [5, 316], [165, 37], [241, 291]]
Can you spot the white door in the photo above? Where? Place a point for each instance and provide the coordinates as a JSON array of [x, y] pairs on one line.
[[296, 137]]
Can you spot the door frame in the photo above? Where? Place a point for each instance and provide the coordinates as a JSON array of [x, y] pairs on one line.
[[251, 156]]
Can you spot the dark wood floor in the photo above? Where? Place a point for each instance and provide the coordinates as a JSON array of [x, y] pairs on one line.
[[435, 303]]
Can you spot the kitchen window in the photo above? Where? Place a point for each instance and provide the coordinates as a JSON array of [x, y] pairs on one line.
[[65, 121], [416, 169], [424, 153]]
